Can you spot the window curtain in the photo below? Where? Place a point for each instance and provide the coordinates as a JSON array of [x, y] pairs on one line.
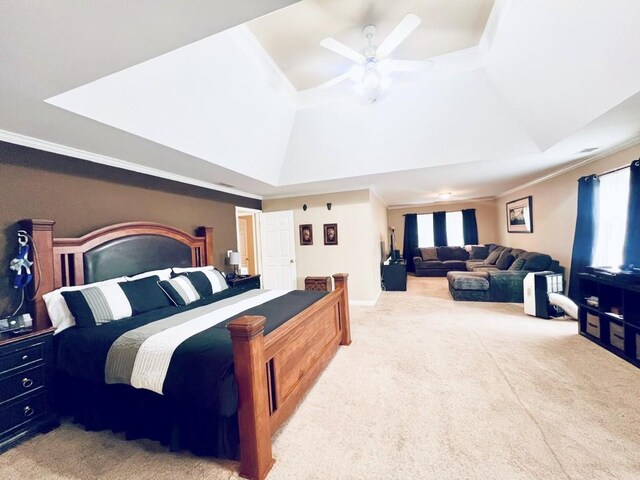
[[440, 229], [410, 240], [470, 226], [632, 240], [586, 228]]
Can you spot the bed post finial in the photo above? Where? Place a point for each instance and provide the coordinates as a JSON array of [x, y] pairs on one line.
[[41, 232], [247, 337], [340, 280]]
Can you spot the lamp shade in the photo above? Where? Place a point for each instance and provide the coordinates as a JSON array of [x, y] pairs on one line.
[[234, 258]]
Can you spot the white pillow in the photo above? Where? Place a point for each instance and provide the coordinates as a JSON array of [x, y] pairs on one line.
[[164, 274], [193, 269], [57, 308]]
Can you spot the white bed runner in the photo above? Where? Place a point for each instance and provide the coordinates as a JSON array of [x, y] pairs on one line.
[[154, 356]]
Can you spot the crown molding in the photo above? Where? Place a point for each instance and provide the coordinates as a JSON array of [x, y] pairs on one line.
[[605, 153], [444, 203], [47, 146]]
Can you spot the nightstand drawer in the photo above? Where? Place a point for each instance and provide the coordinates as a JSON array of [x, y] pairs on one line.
[[22, 411], [21, 357], [20, 383]]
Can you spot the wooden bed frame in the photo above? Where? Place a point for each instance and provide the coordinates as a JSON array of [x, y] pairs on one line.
[[273, 372]]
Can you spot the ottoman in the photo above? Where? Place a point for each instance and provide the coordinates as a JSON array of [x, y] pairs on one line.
[[469, 286]]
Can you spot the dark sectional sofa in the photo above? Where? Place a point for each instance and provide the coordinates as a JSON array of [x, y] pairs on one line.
[[489, 273]]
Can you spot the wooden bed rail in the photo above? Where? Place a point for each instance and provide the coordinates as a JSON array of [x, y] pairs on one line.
[[274, 372]]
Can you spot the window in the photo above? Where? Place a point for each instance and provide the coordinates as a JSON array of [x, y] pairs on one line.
[[425, 230], [612, 218], [455, 233]]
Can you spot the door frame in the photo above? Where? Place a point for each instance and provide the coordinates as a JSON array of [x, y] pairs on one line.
[[243, 212]]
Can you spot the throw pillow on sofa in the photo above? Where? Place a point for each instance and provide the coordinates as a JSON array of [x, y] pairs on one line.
[[536, 262], [505, 261], [517, 265], [430, 253], [478, 252], [493, 256]]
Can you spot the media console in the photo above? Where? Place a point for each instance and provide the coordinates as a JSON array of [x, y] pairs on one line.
[[610, 314]]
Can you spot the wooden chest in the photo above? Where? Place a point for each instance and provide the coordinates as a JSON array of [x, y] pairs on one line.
[[322, 284]]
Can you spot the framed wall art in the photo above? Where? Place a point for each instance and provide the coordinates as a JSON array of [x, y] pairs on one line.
[[520, 216], [306, 234], [331, 234]]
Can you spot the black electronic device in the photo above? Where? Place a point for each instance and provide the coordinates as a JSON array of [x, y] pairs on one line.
[[17, 323]]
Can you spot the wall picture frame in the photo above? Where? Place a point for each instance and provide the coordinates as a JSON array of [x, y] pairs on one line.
[[520, 215], [331, 234], [306, 234]]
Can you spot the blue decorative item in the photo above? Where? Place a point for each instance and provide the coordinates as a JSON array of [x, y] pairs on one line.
[[21, 264]]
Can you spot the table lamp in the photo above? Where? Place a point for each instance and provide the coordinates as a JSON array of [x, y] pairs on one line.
[[234, 259]]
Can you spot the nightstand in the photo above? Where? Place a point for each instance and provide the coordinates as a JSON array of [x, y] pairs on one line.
[[26, 387], [245, 283]]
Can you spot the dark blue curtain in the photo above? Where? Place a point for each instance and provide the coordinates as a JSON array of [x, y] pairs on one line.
[[440, 229], [632, 239], [586, 228], [410, 240], [469, 226]]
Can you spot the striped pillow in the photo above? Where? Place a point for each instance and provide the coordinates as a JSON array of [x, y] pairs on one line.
[[97, 305], [180, 290], [207, 282]]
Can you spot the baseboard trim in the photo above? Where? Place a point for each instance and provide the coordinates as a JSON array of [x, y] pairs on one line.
[[366, 303]]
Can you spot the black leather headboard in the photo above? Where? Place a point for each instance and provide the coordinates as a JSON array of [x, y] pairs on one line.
[[134, 254]]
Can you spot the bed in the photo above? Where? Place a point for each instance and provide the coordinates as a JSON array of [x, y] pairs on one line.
[[270, 353]]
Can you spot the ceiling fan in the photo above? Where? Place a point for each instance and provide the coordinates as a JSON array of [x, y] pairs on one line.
[[372, 64]]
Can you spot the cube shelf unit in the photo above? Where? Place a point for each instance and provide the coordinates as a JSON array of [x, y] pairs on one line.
[[614, 323]]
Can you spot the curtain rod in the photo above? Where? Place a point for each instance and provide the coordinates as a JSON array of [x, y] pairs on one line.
[[637, 162], [431, 213]]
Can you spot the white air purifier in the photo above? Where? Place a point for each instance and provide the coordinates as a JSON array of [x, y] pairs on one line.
[[537, 287]]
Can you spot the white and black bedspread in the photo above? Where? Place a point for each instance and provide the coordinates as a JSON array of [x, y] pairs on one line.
[[179, 352]]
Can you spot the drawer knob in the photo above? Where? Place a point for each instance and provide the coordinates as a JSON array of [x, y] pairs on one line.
[[25, 357], [28, 411], [27, 382]]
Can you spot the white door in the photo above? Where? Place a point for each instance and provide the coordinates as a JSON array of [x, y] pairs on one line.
[[278, 250]]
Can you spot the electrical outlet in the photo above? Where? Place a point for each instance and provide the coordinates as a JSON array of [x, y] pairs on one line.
[[229, 253]]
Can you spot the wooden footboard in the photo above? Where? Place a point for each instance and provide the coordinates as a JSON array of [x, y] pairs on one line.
[[274, 373]]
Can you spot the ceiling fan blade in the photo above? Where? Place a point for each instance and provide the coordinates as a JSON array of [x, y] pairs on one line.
[[398, 35], [335, 80], [341, 49], [417, 66]]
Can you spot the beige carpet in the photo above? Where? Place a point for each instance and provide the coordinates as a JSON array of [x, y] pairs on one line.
[[429, 389]]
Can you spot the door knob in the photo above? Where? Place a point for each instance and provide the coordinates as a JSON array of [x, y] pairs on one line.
[[291, 261]]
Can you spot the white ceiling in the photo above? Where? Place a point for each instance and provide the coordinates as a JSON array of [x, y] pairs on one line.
[[152, 88]]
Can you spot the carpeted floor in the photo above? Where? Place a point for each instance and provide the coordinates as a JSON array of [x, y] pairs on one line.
[[429, 389]]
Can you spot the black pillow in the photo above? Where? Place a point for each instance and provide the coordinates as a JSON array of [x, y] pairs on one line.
[[145, 295], [505, 261]]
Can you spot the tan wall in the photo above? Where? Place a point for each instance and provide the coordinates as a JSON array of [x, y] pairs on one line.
[[352, 211], [485, 217], [555, 209], [81, 196]]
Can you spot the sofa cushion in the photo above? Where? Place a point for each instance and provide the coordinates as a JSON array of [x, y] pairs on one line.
[[455, 265], [452, 253], [431, 264], [493, 246], [493, 256], [481, 267], [478, 252], [516, 252], [536, 262], [468, 280], [505, 261], [517, 264], [429, 253]]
